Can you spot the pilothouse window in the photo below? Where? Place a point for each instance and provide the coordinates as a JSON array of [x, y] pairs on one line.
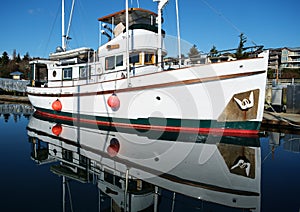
[[119, 60], [110, 63], [113, 62], [82, 72], [67, 73], [134, 58], [149, 59]]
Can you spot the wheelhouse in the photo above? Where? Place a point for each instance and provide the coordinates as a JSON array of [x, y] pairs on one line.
[[84, 65]]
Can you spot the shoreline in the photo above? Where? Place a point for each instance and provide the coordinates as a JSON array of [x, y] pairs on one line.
[[11, 98]]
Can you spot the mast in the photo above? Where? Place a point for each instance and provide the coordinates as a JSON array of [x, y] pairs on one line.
[[127, 45], [161, 5], [178, 34], [63, 41]]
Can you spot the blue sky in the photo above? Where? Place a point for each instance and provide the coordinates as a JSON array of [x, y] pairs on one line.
[[34, 25]]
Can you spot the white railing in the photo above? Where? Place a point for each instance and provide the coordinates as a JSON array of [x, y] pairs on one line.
[[16, 109], [13, 85]]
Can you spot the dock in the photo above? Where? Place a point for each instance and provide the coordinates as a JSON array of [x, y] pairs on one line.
[[12, 98], [281, 122], [12, 85]]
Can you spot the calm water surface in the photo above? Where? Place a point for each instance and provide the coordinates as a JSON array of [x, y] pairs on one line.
[[50, 166]]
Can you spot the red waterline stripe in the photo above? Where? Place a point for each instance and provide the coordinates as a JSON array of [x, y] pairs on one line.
[[214, 131]]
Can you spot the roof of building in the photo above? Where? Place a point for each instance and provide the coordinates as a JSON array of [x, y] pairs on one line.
[[16, 73], [292, 48]]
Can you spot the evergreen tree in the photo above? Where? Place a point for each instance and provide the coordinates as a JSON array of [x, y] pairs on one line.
[[18, 58], [213, 52], [26, 57], [240, 50], [4, 59], [194, 54], [14, 56]]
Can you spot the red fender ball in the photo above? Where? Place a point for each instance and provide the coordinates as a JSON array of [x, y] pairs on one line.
[[56, 105], [113, 102], [57, 129], [113, 148]]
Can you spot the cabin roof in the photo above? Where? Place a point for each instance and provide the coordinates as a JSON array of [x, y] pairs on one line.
[[136, 15]]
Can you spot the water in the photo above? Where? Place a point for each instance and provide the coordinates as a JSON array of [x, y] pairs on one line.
[[49, 166]]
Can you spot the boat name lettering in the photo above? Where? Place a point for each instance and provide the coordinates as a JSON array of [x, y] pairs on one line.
[[115, 46]]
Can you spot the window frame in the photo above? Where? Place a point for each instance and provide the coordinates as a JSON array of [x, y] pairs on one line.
[[83, 72], [108, 60], [67, 73]]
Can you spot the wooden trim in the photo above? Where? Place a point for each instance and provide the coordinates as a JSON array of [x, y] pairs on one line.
[[130, 10], [169, 84]]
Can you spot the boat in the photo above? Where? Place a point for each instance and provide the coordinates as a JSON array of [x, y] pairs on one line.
[[125, 84], [221, 170]]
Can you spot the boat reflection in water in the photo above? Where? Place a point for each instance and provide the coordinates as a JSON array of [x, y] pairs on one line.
[[134, 168]]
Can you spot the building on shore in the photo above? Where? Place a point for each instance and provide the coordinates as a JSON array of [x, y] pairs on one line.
[[284, 58], [16, 75], [290, 58]]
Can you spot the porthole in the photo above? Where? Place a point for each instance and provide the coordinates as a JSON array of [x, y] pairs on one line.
[[54, 74]]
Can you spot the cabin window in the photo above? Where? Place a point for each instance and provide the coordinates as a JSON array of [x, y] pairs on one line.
[[113, 62], [83, 72], [67, 73], [119, 60], [149, 59], [135, 58], [110, 63]]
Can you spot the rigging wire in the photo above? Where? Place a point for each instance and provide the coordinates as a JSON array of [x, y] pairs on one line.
[[79, 38], [225, 18], [52, 29], [138, 3], [70, 20], [222, 16]]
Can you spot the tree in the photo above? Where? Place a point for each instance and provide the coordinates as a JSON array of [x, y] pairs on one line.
[[18, 58], [213, 52], [240, 54], [194, 54], [26, 57], [4, 58], [14, 55], [193, 51], [8, 65]]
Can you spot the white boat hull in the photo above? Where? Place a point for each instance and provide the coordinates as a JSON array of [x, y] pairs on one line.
[[188, 95]]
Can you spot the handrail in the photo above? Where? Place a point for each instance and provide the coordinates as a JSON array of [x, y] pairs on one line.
[[13, 85]]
